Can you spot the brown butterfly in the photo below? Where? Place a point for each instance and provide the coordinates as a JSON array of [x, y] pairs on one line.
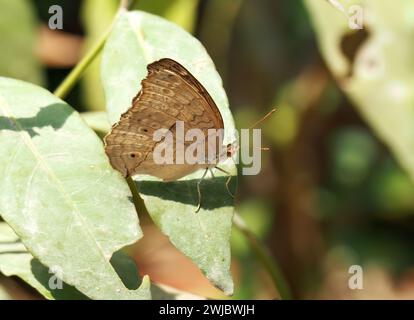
[[169, 93]]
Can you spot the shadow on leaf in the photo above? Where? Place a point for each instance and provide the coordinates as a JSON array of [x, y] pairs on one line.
[[66, 292], [214, 193], [127, 271], [53, 115]]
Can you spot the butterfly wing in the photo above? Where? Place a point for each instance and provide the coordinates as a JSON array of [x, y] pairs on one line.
[[169, 93]]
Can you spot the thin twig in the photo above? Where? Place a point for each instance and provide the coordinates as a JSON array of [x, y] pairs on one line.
[[264, 257], [76, 73]]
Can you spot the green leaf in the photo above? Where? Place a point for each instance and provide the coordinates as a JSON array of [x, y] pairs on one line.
[[59, 193], [15, 260], [18, 28], [97, 120], [138, 39], [379, 75]]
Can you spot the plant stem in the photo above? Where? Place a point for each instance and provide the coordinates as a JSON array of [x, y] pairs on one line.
[[265, 258], [138, 202], [69, 82]]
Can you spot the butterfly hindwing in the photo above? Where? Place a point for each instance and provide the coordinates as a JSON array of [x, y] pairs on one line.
[[169, 93]]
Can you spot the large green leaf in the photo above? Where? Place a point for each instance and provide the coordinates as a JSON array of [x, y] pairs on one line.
[[15, 260], [58, 192], [378, 73], [18, 28], [137, 39]]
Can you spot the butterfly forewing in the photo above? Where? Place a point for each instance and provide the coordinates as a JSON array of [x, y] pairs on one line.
[[169, 93]]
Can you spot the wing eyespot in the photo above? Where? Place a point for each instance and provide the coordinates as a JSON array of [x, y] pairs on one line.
[[168, 93]]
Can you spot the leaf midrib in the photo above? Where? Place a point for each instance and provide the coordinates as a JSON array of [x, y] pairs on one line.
[[67, 198]]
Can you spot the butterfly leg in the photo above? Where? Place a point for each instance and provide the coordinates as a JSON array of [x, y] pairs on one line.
[[199, 191], [228, 180]]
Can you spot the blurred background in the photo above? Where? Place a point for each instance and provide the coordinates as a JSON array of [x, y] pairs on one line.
[[336, 188]]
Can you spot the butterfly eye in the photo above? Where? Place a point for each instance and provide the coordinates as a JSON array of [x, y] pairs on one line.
[[230, 150], [132, 155]]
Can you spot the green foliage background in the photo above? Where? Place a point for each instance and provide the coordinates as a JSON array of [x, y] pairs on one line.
[[336, 188]]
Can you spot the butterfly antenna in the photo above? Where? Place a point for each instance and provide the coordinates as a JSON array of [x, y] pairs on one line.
[[236, 148], [263, 118]]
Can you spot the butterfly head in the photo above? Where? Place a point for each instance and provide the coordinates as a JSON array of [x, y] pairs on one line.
[[231, 149]]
